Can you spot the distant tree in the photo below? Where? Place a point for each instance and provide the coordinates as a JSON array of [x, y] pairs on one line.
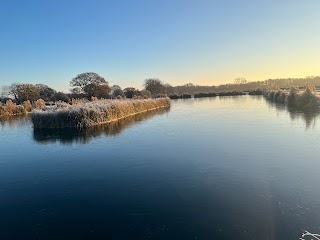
[[91, 84], [116, 91], [240, 80], [96, 90], [76, 91], [129, 92], [189, 85], [154, 85], [46, 93], [168, 89], [60, 96], [145, 93], [23, 92]]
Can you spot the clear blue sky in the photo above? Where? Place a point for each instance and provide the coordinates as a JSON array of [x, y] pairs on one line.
[[178, 41]]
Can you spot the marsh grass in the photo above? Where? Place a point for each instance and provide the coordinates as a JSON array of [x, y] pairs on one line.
[[71, 135], [10, 108], [257, 91], [231, 93], [180, 96], [85, 114], [205, 94], [295, 98]]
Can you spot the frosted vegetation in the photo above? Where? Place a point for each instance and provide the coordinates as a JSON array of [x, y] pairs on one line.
[[83, 114], [10, 108], [295, 98], [71, 135]]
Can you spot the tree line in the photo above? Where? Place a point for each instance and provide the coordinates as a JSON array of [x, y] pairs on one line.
[[87, 85], [84, 85]]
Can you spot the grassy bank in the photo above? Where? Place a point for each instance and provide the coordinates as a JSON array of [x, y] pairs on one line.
[[85, 114], [295, 98]]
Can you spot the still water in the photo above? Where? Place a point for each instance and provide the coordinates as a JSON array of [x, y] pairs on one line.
[[213, 168]]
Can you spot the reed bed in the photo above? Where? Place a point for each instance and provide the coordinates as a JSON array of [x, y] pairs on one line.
[[205, 94], [84, 114], [10, 108], [180, 96], [70, 135], [294, 98], [231, 93], [256, 92]]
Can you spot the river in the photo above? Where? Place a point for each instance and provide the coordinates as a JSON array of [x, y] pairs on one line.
[[211, 168]]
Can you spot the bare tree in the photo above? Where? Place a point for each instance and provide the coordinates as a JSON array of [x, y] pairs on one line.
[[240, 80]]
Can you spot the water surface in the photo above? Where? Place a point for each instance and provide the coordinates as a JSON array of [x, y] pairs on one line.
[[213, 168]]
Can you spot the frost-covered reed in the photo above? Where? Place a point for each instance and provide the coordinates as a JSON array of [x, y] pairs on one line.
[[70, 135], [295, 98], [83, 114], [10, 108]]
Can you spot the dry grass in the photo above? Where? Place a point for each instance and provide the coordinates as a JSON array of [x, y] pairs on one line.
[[205, 94], [234, 92], [70, 135], [296, 98], [84, 114], [10, 108]]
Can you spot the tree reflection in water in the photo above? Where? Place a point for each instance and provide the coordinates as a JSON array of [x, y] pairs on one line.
[[71, 135]]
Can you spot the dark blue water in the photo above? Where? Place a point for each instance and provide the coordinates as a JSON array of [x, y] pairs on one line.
[[218, 168]]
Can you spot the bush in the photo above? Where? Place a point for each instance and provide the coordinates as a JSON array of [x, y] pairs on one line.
[[11, 108], [27, 106], [175, 96], [293, 96], [295, 99], [205, 94], [231, 93], [257, 91], [308, 99], [39, 104], [280, 97]]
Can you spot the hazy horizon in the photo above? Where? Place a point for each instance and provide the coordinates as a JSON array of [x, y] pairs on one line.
[[206, 42]]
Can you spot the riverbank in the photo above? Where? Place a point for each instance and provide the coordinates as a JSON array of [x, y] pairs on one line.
[[295, 98], [84, 114]]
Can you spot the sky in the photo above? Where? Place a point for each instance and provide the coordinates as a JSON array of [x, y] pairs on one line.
[[178, 41]]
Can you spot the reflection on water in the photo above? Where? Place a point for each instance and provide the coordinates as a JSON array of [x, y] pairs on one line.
[[71, 135], [212, 168], [308, 116], [14, 121]]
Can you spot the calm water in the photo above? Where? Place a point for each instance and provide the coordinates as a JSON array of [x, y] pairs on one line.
[[219, 168]]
